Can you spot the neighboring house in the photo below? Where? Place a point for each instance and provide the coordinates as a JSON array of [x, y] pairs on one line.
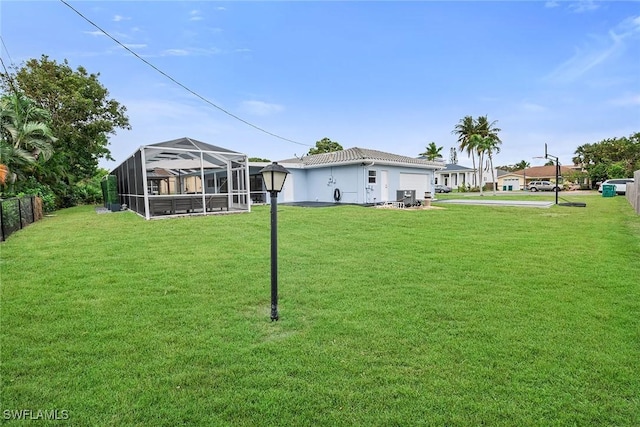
[[357, 175], [456, 176], [518, 180]]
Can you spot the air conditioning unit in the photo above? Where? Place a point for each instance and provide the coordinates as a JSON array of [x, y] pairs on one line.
[[408, 197]]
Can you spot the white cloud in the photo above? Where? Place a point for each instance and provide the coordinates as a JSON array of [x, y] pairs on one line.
[[195, 16], [583, 6], [191, 52], [626, 101], [532, 107], [118, 18], [260, 108], [175, 52], [551, 4], [95, 33], [599, 50]]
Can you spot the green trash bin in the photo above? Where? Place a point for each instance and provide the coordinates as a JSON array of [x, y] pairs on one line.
[[608, 190]]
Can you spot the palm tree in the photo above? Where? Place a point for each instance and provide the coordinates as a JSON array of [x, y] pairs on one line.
[[12, 162], [493, 147], [522, 164], [480, 145], [24, 136], [491, 141], [465, 129], [24, 125], [432, 152]]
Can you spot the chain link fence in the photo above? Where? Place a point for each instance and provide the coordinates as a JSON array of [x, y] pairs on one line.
[[18, 212]]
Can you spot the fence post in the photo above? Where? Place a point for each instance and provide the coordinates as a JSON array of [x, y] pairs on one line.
[[2, 219], [20, 211]]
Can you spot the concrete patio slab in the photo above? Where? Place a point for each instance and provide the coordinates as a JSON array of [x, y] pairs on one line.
[[520, 203]]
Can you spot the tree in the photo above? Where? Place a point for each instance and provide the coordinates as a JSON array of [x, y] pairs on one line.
[[25, 137], [453, 156], [325, 145], [465, 129], [490, 142], [478, 137], [599, 158], [82, 117], [26, 126], [522, 164], [550, 163], [482, 145], [432, 152], [13, 161], [258, 159]]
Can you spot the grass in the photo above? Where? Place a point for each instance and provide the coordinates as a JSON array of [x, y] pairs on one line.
[[468, 315]]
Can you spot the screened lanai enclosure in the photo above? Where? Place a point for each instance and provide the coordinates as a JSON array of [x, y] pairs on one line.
[[183, 177]]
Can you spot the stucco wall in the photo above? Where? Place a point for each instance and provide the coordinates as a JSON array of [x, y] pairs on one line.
[[320, 184]]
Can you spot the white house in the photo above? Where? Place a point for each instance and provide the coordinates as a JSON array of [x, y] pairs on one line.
[[357, 175], [455, 176]]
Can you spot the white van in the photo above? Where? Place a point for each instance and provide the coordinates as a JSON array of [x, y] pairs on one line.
[[621, 185]]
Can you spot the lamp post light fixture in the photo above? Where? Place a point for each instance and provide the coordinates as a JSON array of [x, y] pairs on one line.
[[273, 177]]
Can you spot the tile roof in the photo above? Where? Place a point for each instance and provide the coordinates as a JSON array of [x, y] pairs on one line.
[[356, 154], [456, 167], [542, 171]]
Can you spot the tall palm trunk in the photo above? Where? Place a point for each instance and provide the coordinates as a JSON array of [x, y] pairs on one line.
[[493, 172], [480, 158]]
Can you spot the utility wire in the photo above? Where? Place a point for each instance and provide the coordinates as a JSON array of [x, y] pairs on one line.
[[6, 50], [177, 82]]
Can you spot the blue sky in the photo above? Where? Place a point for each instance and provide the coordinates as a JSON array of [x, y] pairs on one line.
[[391, 76]]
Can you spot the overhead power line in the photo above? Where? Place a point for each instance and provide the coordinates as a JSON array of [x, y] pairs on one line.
[[191, 91]]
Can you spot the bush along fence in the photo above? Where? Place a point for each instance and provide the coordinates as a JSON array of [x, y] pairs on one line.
[[18, 212]]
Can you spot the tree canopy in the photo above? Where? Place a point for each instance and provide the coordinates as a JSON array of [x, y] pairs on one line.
[[478, 137], [610, 158], [325, 145], [25, 137], [432, 151], [82, 117]]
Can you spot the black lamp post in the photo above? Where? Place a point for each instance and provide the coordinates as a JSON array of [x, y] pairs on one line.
[[273, 177]]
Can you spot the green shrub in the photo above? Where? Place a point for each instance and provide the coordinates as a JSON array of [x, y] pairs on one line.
[[33, 187]]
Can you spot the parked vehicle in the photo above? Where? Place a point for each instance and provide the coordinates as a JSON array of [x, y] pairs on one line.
[[439, 188], [621, 185], [543, 186]]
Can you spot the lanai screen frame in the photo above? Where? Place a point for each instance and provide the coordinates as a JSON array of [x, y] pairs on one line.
[[133, 181]]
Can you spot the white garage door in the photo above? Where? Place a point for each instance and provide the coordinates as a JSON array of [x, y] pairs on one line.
[[511, 184], [415, 181]]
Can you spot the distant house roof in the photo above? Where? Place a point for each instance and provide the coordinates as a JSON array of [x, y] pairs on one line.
[[451, 167], [356, 155], [542, 171]]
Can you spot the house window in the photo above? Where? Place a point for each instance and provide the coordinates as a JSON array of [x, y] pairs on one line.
[[372, 177]]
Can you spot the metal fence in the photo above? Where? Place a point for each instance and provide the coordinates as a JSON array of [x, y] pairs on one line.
[[18, 212]]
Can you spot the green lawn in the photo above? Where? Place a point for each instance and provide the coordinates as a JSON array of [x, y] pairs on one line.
[[462, 316]]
